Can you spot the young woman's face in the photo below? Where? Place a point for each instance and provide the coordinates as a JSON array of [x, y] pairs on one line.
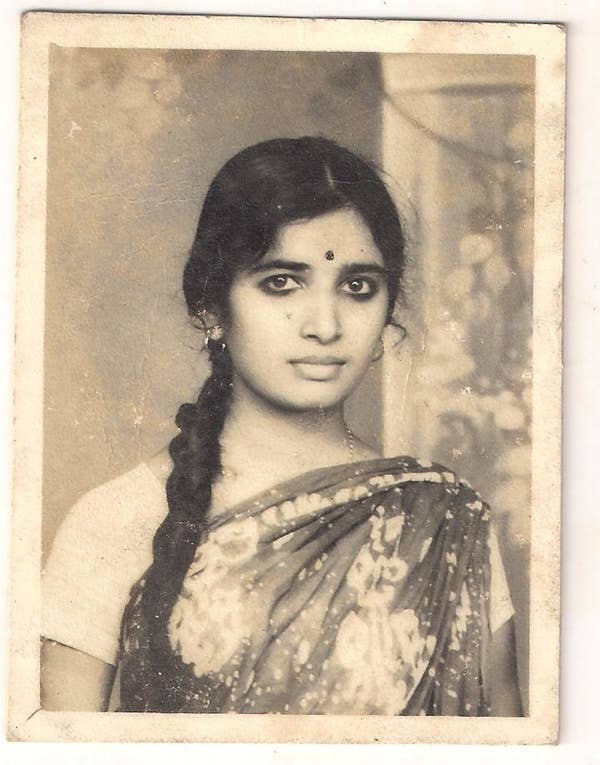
[[305, 321]]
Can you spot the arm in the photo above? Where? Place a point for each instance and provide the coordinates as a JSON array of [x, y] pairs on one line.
[[73, 681], [101, 548], [501, 677]]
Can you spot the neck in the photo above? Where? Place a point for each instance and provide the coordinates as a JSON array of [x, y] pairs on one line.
[[258, 431]]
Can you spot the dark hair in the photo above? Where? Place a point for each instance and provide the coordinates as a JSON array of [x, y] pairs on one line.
[[256, 192]]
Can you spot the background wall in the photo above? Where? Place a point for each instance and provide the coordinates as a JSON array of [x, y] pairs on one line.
[[134, 139]]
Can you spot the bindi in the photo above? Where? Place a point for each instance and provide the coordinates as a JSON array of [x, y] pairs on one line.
[[329, 255]]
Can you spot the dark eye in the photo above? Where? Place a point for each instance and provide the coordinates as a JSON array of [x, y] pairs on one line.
[[360, 287], [279, 283]]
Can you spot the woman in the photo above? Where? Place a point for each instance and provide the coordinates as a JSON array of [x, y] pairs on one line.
[[296, 570]]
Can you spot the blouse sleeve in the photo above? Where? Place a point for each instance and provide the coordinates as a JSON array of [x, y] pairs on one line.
[[501, 606], [101, 548]]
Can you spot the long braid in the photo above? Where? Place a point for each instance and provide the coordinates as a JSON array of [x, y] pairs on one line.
[[196, 455]]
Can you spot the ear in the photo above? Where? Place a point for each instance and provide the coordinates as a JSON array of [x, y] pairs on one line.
[[379, 352]]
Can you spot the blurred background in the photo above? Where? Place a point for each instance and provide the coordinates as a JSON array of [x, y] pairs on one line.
[[136, 136]]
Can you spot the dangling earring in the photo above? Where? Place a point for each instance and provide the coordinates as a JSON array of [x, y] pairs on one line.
[[379, 352]]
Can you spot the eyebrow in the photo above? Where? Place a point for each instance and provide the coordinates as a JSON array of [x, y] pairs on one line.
[[286, 265], [294, 265], [365, 268]]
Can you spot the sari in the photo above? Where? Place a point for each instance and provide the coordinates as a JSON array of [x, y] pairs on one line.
[[356, 589]]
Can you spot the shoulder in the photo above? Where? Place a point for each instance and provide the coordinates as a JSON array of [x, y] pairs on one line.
[[132, 502], [407, 470], [422, 470], [430, 482], [139, 483]]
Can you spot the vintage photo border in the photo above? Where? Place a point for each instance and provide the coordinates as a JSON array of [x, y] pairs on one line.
[[544, 41]]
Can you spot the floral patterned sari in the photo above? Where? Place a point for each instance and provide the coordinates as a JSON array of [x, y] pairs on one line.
[[357, 589]]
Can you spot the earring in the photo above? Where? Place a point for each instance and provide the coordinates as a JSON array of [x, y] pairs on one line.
[[379, 353], [216, 329]]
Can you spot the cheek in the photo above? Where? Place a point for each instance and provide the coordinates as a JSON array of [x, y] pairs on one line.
[[255, 323], [365, 323]]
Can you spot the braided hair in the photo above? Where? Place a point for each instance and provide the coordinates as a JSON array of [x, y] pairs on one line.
[[258, 191]]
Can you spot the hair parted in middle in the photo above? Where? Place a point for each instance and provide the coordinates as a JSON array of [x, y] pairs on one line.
[[256, 193]]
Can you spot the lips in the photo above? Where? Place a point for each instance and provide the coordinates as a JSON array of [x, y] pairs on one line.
[[319, 360], [318, 368]]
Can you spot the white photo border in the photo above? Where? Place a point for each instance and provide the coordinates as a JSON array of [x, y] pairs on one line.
[[544, 41]]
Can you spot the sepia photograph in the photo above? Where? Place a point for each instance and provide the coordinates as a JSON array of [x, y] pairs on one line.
[[288, 380]]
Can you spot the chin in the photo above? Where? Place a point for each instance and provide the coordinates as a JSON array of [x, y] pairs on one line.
[[318, 398]]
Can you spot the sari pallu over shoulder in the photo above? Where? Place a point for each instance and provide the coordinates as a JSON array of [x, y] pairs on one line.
[[358, 589]]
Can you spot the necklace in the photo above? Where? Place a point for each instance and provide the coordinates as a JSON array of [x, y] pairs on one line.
[[349, 440]]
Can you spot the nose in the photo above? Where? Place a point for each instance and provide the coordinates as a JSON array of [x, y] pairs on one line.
[[322, 321]]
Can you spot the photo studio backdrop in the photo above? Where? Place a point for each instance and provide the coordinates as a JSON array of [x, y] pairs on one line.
[[135, 137]]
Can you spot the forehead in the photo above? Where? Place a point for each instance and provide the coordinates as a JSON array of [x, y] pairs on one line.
[[342, 232]]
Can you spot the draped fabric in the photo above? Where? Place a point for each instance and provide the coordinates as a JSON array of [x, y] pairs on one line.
[[357, 589]]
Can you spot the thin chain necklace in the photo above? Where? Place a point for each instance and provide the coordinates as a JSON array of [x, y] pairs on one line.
[[349, 441]]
